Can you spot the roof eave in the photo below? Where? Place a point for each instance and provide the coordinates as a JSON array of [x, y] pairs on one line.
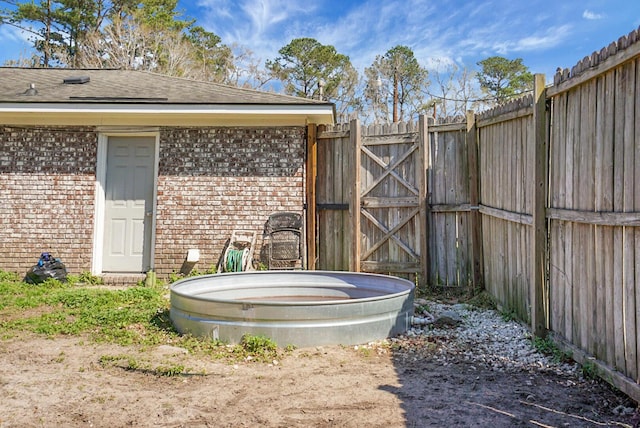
[[165, 114]]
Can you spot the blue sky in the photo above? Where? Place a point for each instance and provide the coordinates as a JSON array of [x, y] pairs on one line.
[[545, 34]]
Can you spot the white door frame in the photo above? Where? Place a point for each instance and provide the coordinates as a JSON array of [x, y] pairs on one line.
[[99, 200]]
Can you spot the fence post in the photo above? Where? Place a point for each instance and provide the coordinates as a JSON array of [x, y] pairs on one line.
[[312, 173], [355, 141], [538, 276], [424, 204], [474, 200]]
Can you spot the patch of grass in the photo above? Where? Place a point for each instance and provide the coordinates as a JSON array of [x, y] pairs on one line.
[[365, 351], [590, 370], [84, 278], [120, 360], [9, 277], [171, 370], [482, 300], [258, 347], [106, 315], [423, 309], [137, 316], [130, 363], [176, 276], [548, 347], [508, 315]]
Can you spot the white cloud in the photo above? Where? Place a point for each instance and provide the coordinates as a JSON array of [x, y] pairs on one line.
[[587, 14], [263, 26], [11, 34], [551, 37]]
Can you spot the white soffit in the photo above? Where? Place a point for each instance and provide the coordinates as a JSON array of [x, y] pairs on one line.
[[163, 114]]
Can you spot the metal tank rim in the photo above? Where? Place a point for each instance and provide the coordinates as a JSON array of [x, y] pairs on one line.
[[323, 307], [182, 287]]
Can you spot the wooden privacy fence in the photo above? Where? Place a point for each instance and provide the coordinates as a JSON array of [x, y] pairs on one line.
[[594, 207], [559, 199], [537, 200], [398, 199]]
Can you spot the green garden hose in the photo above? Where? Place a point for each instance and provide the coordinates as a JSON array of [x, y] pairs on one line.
[[234, 261]]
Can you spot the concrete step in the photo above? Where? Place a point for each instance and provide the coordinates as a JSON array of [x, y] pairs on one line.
[[122, 279]]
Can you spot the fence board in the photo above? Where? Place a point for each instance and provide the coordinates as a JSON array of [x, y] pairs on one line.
[[628, 77], [636, 180]]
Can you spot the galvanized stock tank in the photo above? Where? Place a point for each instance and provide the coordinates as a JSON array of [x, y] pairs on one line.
[[300, 308]]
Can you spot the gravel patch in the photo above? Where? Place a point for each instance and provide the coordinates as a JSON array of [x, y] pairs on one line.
[[478, 336]]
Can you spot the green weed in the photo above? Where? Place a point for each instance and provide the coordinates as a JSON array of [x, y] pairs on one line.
[[508, 315], [84, 278], [482, 300], [176, 276], [548, 347], [590, 370], [171, 370], [260, 347]]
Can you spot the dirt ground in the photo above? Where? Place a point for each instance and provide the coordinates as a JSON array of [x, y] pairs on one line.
[[66, 383]]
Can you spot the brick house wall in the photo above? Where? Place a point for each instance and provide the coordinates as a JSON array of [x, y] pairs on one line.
[[214, 180], [210, 181], [47, 181]]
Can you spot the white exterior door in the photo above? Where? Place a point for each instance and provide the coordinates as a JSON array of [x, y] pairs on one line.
[[128, 216]]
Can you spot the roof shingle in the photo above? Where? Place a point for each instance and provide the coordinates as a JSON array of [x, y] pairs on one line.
[[106, 86]]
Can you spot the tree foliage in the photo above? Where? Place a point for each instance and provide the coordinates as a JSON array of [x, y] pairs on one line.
[[306, 67], [129, 34], [504, 79], [453, 90], [395, 85], [58, 27]]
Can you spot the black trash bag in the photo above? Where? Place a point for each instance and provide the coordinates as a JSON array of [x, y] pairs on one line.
[[47, 268]]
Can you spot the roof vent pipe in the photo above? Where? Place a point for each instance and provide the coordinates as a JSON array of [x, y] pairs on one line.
[[32, 90]]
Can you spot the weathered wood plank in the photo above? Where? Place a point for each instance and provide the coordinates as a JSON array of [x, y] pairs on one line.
[[421, 170], [474, 230], [600, 345], [578, 286], [618, 205], [507, 215], [389, 202], [584, 176], [355, 141], [339, 193], [379, 266], [568, 203], [539, 241], [636, 121], [311, 176], [600, 218], [558, 276], [628, 77]]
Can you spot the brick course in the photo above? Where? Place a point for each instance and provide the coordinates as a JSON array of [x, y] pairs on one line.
[[211, 181]]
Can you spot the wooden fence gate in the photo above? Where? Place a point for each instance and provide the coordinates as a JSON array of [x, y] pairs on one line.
[[370, 199]]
